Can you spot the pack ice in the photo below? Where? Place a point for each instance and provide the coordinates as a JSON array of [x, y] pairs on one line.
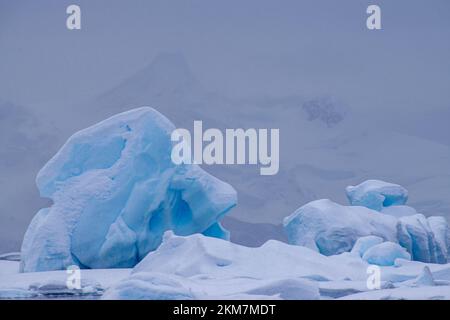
[[115, 191], [378, 214]]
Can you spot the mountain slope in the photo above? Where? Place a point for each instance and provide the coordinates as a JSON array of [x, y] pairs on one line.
[[324, 146]]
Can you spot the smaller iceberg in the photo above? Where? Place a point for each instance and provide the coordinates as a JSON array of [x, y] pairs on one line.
[[376, 194]]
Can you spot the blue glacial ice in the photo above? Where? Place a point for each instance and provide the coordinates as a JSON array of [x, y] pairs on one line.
[[115, 191], [365, 243], [331, 228], [376, 194], [385, 254], [422, 242]]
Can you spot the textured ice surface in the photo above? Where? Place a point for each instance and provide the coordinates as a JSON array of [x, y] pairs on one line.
[[115, 191], [417, 236], [441, 232], [399, 211], [330, 228], [376, 194], [385, 254], [199, 255], [200, 267], [150, 286], [365, 243], [53, 284], [423, 279]]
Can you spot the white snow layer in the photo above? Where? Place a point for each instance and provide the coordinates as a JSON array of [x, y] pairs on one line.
[[200, 267], [378, 210], [197, 267]]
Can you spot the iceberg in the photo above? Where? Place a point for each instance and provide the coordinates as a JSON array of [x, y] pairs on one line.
[[376, 194], [385, 254], [115, 191], [441, 230], [331, 228]]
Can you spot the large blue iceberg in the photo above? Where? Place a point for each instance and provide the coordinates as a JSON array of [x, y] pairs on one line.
[[115, 191], [377, 214]]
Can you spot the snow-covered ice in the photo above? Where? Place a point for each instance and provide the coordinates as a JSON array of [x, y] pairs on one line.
[[417, 236], [331, 228], [115, 194], [385, 254], [115, 191], [376, 194], [53, 284], [8, 267]]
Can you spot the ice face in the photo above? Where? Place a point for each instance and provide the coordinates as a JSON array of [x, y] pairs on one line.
[[399, 211], [376, 194], [115, 191], [385, 254]]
